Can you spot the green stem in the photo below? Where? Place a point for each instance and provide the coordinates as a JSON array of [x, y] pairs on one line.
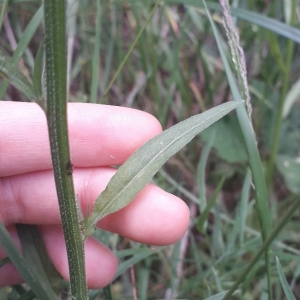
[[279, 110], [263, 248], [56, 66]]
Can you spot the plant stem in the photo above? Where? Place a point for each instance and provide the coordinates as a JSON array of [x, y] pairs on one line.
[[56, 79], [279, 110]]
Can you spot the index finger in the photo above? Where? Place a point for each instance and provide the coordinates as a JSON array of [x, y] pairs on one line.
[[100, 135]]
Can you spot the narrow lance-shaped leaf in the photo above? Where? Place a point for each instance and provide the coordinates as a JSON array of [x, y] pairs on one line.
[[287, 289], [36, 255], [23, 266], [16, 77], [139, 169], [218, 296], [23, 43], [38, 72]]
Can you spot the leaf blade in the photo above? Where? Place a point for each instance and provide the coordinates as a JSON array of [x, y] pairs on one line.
[[23, 43], [139, 169], [36, 255], [23, 266], [287, 289], [16, 77]]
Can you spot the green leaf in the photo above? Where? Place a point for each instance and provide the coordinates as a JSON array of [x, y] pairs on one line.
[[290, 169], [38, 73], [143, 253], [228, 141], [14, 75], [253, 154], [24, 267], [35, 253], [292, 96], [218, 296], [202, 171], [139, 169], [23, 43], [286, 288], [204, 214], [249, 138]]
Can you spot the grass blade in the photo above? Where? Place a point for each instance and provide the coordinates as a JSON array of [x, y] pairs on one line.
[[253, 154], [16, 77], [204, 214], [35, 253], [38, 75], [218, 296], [238, 231], [139, 169], [23, 43], [292, 96], [23, 266], [201, 172], [287, 289], [144, 253]]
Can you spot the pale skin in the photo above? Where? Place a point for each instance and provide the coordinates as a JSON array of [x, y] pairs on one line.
[[100, 137]]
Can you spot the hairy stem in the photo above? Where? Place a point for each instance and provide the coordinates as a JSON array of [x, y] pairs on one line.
[[56, 80]]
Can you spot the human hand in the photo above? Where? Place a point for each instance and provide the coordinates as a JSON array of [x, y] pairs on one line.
[[100, 136]]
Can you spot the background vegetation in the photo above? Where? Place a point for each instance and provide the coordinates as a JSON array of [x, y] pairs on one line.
[[175, 71]]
